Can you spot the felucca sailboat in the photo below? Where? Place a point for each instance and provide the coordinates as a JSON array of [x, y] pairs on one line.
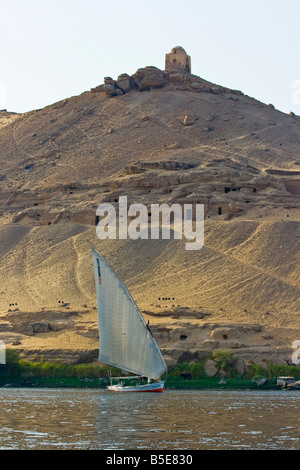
[[125, 340]]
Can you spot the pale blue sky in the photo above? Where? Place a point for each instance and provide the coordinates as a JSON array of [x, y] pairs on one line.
[[53, 49]]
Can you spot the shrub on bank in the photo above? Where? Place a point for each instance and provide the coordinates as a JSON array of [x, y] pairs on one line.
[[224, 359], [197, 370], [194, 370], [256, 371], [277, 370], [21, 367]]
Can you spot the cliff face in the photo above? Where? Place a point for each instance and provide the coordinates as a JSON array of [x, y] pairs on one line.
[[165, 137]]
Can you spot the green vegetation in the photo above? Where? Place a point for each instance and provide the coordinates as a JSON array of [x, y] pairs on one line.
[[272, 370], [19, 372], [226, 361], [192, 376], [204, 383]]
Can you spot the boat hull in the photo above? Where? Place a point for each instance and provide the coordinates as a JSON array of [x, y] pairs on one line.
[[155, 387]]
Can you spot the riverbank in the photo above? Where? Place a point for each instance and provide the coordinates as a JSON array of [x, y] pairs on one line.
[[19, 373], [205, 383]]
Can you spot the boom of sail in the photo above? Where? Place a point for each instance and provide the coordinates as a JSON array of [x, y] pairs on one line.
[[125, 340]]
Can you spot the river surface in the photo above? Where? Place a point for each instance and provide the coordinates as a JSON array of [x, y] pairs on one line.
[[175, 419]]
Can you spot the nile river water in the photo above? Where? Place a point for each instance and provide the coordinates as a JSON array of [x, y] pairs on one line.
[[185, 420]]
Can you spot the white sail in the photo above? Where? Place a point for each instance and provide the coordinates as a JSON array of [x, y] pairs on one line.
[[124, 338]]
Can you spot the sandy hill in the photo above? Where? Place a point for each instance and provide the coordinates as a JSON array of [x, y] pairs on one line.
[[163, 136]]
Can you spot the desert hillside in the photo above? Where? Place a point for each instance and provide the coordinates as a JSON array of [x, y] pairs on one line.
[[157, 136]]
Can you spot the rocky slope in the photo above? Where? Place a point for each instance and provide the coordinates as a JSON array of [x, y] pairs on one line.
[[155, 137]]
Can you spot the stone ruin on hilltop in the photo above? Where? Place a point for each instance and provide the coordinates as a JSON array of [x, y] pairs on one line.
[[178, 60], [177, 70]]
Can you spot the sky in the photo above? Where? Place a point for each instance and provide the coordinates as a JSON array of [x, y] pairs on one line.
[[54, 49]]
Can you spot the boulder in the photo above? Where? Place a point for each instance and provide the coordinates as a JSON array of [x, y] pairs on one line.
[[109, 89], [108, 81], [189, 119], [294, 386], [196, 85], [240, 366], [56, 326], [261, 382], [125, 82], [40, 327], [217, 90], [24, 328], [149, 77], [284, 381], [174, 145], [235, 207], [176, 77], [210, 368]]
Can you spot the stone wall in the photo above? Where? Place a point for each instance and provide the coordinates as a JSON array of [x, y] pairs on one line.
[[178, 60]]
